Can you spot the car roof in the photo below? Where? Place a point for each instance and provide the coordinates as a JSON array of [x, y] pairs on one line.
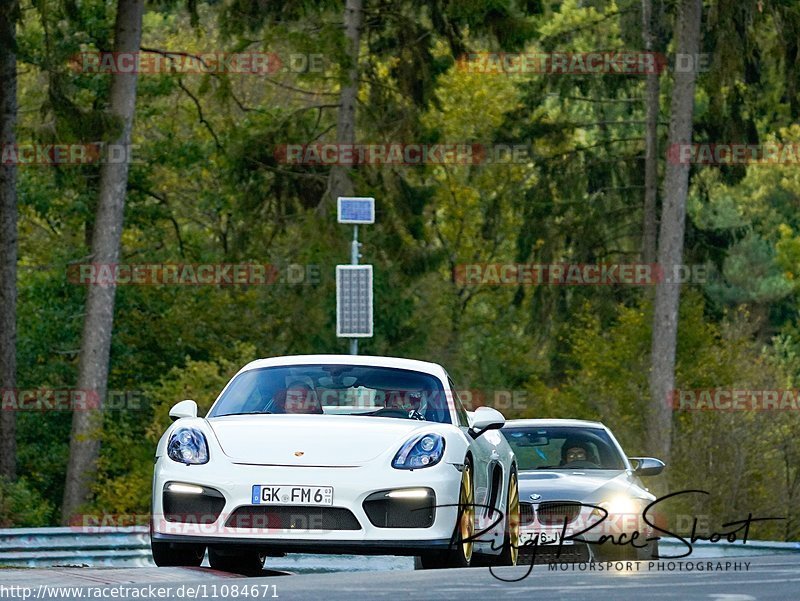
[[553, 423], [368, 360]]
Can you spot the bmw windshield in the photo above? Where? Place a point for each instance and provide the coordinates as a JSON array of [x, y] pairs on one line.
[[335, 390], [563, 448]]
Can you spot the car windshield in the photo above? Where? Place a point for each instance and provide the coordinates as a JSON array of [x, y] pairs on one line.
[[559, 448], [335, 390]]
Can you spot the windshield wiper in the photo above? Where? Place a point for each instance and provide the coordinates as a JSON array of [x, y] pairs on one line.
[[246, 413]]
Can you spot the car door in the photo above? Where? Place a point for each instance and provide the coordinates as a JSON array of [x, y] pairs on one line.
[[485, 456]]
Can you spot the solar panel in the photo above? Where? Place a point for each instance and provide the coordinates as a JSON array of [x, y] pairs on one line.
[[356, 209], [354, 301]]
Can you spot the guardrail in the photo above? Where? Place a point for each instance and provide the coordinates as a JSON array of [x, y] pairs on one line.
[[40, 547], [704, 548], [130, 547]]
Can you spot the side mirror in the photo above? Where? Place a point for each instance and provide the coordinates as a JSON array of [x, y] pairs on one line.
[[485, 419], [183, 409], [647, 466]]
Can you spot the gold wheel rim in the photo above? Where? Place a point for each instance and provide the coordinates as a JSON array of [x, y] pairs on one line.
[[467, 525], [513, 519]]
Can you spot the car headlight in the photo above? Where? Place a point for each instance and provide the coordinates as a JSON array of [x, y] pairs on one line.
[[621, 505], [188, 445], [418, 452]]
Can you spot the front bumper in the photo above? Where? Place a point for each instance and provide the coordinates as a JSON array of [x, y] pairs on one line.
[[577, 552], [583, 526], [297, 528], [279, 546]]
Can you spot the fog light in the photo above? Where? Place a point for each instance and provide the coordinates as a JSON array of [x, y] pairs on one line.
[[412, 493], [185, 488]]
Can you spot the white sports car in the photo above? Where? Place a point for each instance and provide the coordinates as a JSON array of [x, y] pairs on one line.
[[335, 454]]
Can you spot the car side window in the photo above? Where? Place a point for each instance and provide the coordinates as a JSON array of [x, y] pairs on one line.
[[461, 413]]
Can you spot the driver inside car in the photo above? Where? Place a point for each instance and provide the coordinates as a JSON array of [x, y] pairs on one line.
[[575, 454], [574, 451], [298, 398]]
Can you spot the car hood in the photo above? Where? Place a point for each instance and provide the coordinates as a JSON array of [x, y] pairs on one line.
[[311, 440], [587, 485]]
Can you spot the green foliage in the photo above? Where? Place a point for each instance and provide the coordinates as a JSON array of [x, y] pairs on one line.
[[125, 469], [208, 187], [22, 506], [201, 381], [725, 453]]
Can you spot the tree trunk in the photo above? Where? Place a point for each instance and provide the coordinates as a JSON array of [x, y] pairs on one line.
[[650, 223], [8, 234], [670, 241], [96, 338], [339, 180]]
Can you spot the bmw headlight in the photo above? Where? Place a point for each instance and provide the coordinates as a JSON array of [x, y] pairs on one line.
[[421, 451], [188, 445], [621, 505]]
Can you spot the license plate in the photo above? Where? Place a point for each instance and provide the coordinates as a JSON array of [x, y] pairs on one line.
[[547, 537], [289, 494]]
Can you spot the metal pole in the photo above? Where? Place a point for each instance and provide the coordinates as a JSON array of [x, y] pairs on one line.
[[354, 247], [354, 261]]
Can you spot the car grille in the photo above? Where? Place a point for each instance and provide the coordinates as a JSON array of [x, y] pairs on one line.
[[552, 513], [281, 517], [526, 514]]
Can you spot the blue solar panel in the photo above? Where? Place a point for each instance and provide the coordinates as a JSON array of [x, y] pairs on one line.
[[354, 301], [356, 210]]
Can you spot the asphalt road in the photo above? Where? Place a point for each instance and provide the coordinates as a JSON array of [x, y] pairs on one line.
[[766, 578], [775, 577]]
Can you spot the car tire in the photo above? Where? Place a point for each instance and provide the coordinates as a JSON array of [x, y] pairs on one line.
[[248, 562], [177, 554], [647, 553], [610, 552], [459, 555], [510, 552]]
